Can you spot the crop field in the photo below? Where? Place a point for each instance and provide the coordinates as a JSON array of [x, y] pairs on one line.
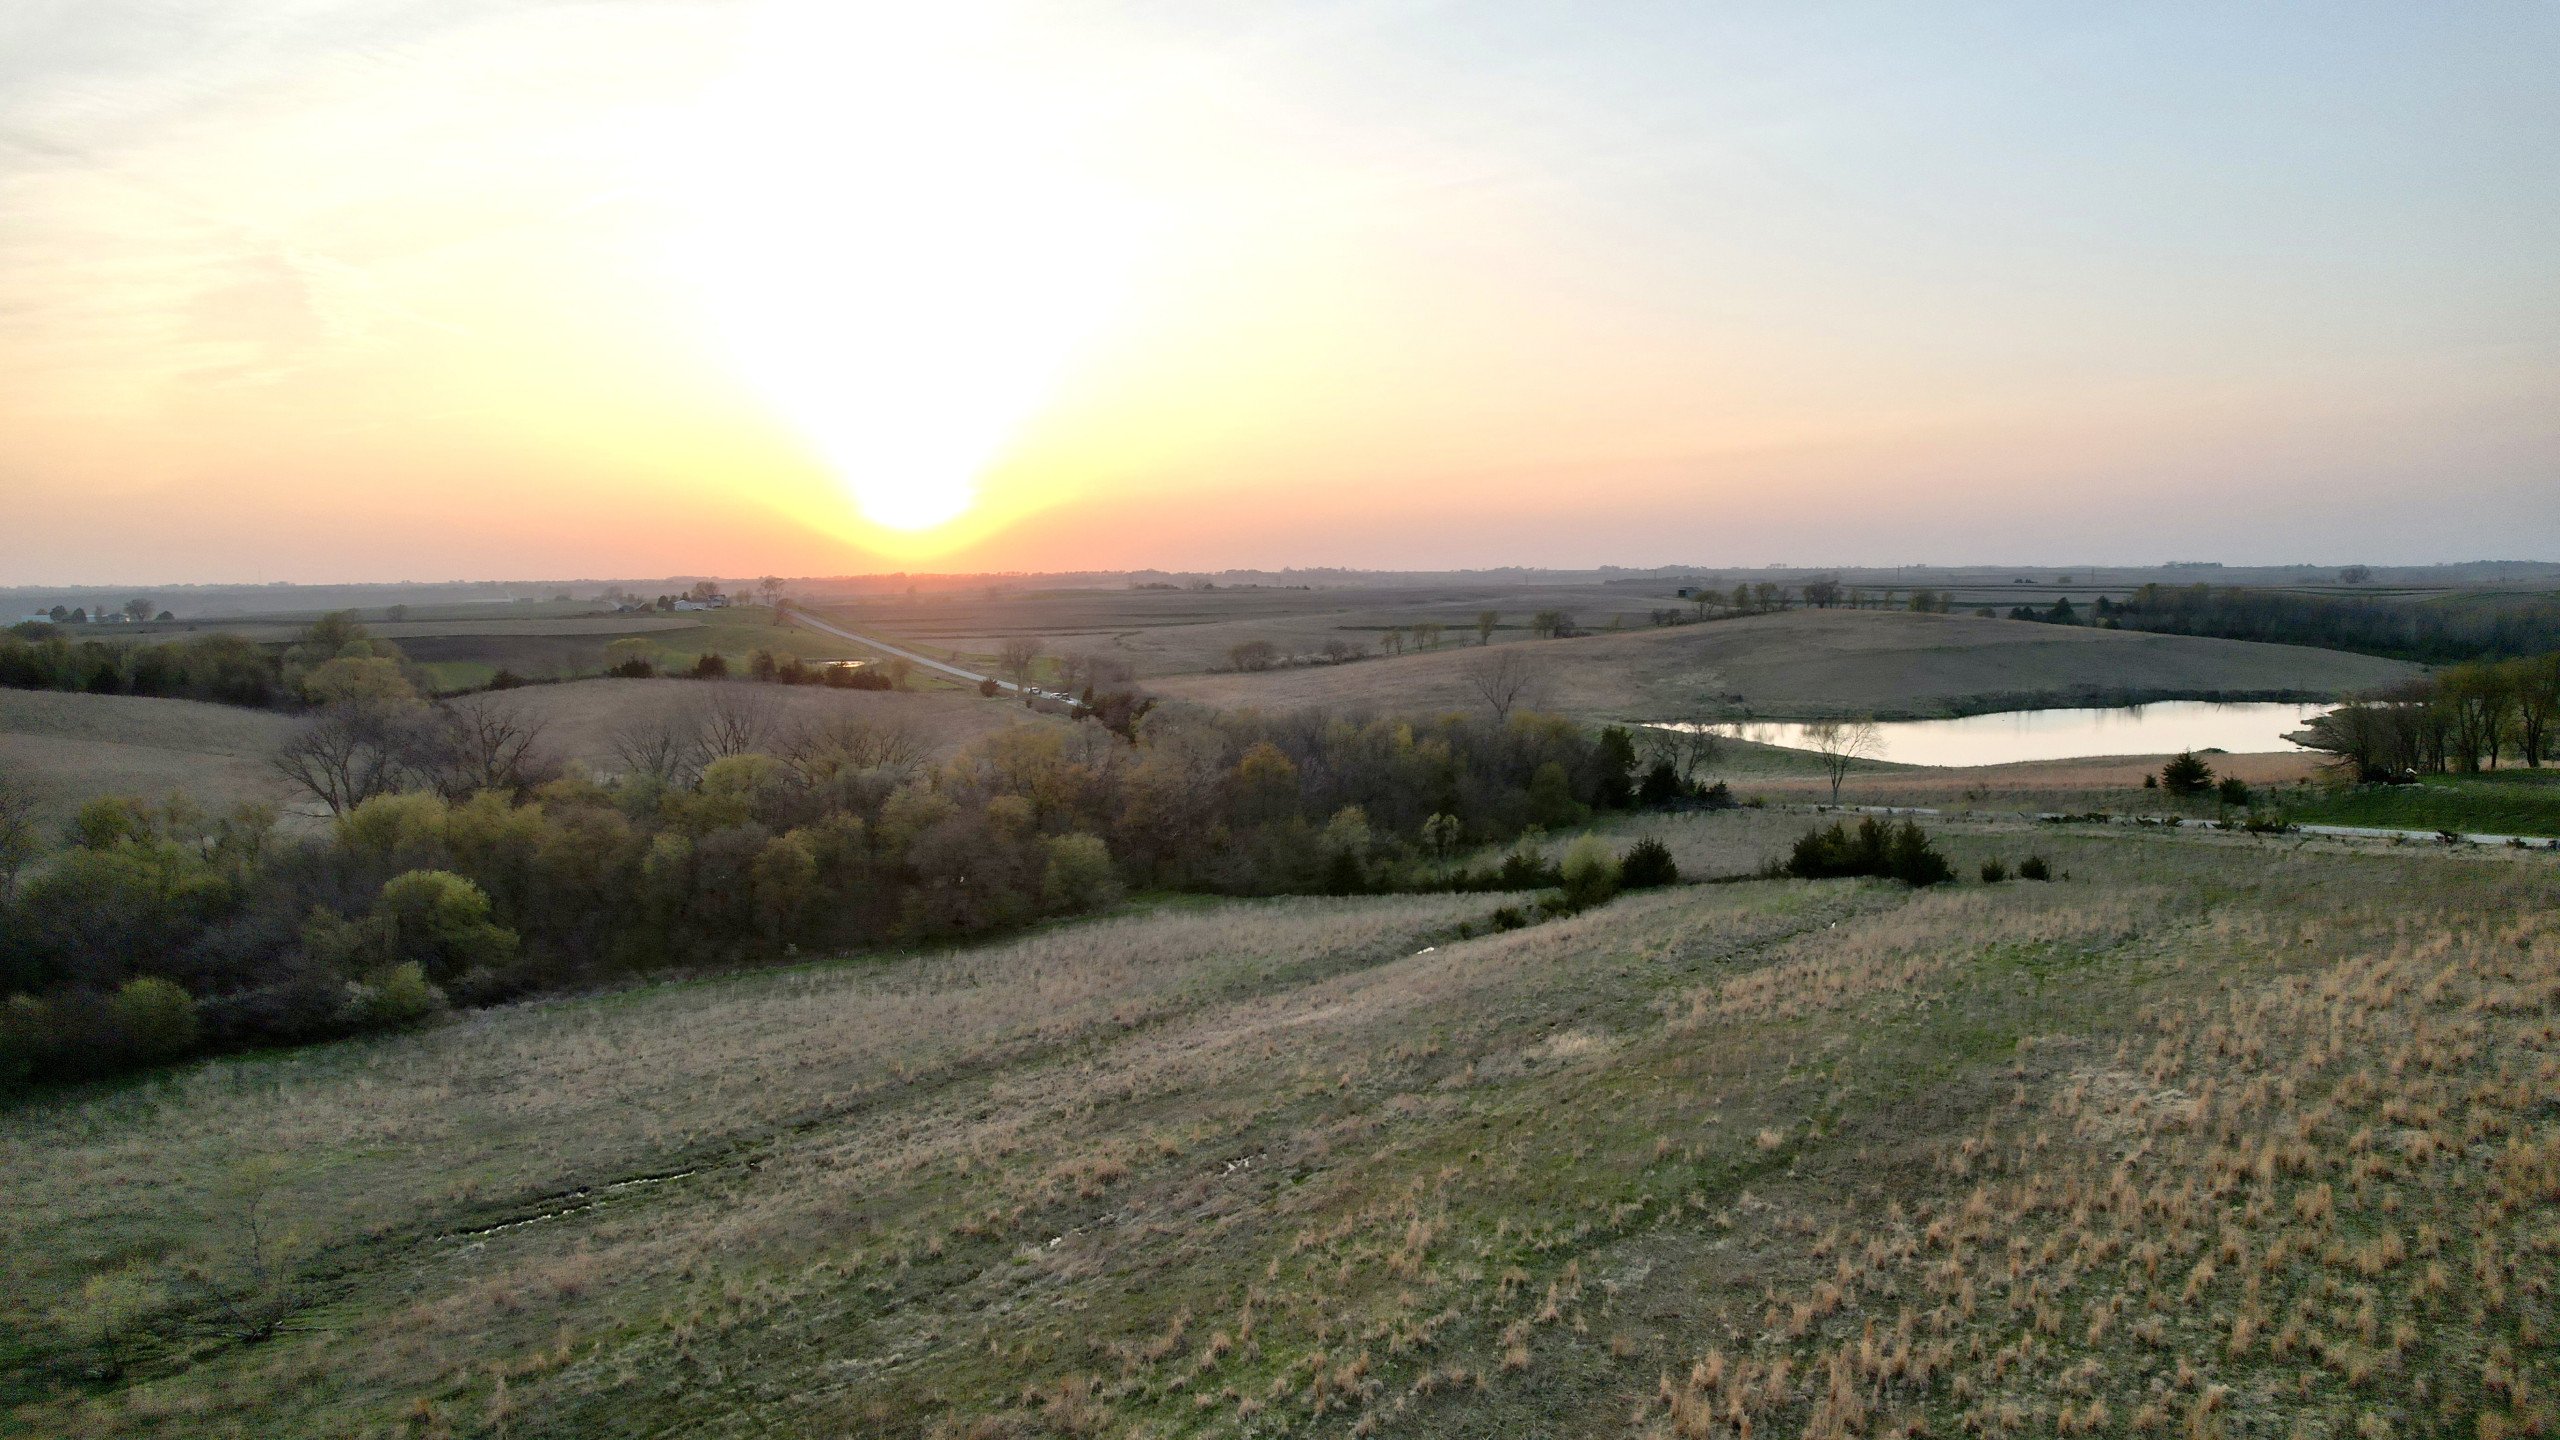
[[2210, 1136], [70, 749], [1828, 662]]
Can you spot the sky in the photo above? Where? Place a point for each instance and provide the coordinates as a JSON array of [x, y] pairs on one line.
[[422, 289]]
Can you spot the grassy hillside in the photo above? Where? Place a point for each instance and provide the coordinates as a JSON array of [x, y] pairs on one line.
[[70, 749], [2214, 1136], [1826, 662]]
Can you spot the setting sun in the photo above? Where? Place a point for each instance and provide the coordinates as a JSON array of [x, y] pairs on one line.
[[898, 246]]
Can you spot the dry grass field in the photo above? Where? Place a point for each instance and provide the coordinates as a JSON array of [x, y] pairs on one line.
[[580, 716], [1825, 662], [1178, 632], [71, 749], [2108, 782], [2212, 1136]]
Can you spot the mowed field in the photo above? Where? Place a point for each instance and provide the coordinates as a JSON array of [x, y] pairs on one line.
[[1824, 662], [70, 749], [2213, 1136]]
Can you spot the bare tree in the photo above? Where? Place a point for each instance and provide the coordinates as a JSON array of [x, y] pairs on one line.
[[1486, 620], [1506, 679], [1253, 655], [1687, 746], [347, 754], [770, 590], [739, 720], [1426, 635], [1842, 744], [1391, 640], [666, 747], [842, 744], [1018, 655], [900, 670], [483, 742]]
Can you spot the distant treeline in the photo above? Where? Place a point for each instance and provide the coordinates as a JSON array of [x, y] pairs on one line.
[[465, 866], [230, 670], [222, 668], [2471, 627]]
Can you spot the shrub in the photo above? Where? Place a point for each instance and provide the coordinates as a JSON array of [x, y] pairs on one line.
[[1509, 918], [1901, 852], [395, 999], [713, 666], [2034, 868], [988, 688], [2186, 775], [1589, 873], [2233, 791], [154, 1020], [1993, 872], [27, 1038], [1648, 863], [1525, 869]]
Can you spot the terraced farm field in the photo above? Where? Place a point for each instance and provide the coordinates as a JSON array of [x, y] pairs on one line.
[[2210, 1135]]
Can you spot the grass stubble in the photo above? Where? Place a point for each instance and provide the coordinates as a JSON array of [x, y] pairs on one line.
[[2217, 1136]]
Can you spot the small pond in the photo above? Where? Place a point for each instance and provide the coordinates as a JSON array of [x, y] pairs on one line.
[[2007, 736]]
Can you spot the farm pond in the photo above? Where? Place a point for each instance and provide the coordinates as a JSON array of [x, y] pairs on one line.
[[2003, 737]]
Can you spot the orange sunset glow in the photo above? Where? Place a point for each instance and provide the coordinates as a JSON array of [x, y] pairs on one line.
[[367, 290]]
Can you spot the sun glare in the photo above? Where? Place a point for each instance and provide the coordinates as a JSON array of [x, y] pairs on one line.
[[898, 244]]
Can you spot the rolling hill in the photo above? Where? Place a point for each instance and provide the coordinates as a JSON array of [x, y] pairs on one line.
[[1824, 662]]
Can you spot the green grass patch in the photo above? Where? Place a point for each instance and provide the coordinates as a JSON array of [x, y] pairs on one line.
[[2504, 802]]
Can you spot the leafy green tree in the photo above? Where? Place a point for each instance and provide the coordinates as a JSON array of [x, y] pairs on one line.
[[440, 922], [18, 843], [1614, 758], [1589, 872], [1078, 876], [1551, 802]]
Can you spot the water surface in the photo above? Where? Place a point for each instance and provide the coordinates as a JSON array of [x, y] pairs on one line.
[[2007, 736]]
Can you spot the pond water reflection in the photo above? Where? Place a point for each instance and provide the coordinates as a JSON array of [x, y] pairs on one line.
[[2162, 728]]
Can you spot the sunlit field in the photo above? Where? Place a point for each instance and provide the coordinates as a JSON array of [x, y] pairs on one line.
[[2209, 1135]]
